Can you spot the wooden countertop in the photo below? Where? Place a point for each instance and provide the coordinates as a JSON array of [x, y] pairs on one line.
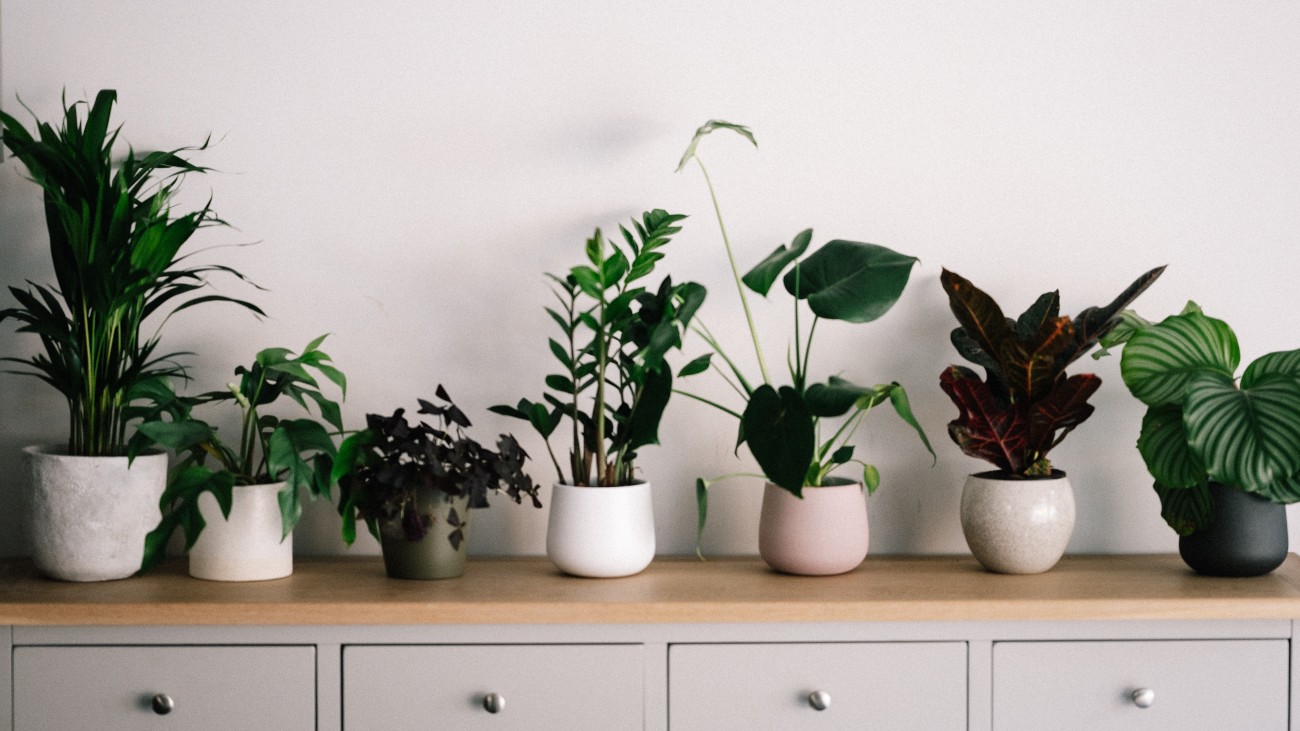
[[673, 590]]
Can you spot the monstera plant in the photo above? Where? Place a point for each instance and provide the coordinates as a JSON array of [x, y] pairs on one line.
[[1204, 424], [1026, 404]]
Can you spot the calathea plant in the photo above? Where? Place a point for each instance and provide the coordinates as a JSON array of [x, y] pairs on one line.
[[299, 452], [782, 425], [381, 469], [1026, 404], [615, 382], [115, 245], [1203, 423]]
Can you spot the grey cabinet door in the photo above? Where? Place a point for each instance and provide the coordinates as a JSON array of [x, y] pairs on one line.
[[1183, 684], [570, 687], [110, 688], [887, 685]]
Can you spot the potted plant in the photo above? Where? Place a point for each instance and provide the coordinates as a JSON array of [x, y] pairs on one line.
[[1224, 452], [238, 504], [115, 243], [812, 522], [413, 486], [613, 388], [1018, 519]]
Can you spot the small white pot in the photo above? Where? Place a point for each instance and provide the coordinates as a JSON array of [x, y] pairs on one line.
[[247, 547], [822, 534], [601, 532], [90, 515], [1017, 526]]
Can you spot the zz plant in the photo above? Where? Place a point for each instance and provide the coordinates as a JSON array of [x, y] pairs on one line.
[[782, 424], [615, 382], [1026, 404], [299, 452], [1203, 423], [115, 245], [381, 469]]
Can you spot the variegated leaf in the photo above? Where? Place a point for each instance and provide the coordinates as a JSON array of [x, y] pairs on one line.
[[1159, 361], [1247, 438], [1163, 445]]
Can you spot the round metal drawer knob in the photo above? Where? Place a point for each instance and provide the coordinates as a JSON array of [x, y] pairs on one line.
[[494, 702], [1144, 697], [162, 704], [819, 700]]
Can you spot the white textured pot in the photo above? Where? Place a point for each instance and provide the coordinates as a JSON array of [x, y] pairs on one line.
[[90, 515], [247, 547], [601, 532], [823, 533], [1017, 526]]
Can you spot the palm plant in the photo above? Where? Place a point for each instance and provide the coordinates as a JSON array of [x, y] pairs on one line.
[[114, 244]]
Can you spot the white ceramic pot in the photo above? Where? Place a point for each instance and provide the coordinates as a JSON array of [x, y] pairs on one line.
[[823, 533], [90, 515], [247, 546], [1017, 526], [601, 532]]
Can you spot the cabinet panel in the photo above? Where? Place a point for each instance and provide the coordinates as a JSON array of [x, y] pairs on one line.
[[894, 685], [572, 687], [1210, 684], [108, 688]]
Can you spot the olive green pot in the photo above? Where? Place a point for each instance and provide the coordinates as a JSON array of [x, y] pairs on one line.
[[434, 556]]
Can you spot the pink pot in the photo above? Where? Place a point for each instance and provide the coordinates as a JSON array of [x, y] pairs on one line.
[[822, 534]]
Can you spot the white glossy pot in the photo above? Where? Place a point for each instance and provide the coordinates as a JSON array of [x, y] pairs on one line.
[[247, 546], [824, 533], [90, 515], [1017, 526], [601, 532]]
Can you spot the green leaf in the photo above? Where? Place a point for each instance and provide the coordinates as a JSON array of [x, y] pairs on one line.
[[707, 128], [870, 478], [764, 275], [588, 280], [177, 435], [613, 269], [1286, 363], [560, 353], [1159, 361], [1164, 446], [559, 383], [648, 409], [842, 455], [837, 396], [903, 407], [698, 365], [1247, 438], [1186, 510], [779, 430], [851, 281]]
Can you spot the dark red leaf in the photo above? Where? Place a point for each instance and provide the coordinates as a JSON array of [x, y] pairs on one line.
[[1064, 408], [984, 428], [978, 314]]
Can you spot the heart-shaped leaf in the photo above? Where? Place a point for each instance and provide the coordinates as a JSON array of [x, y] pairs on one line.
[[850, 281], [1164, 446], [764, 275], [779, 430]]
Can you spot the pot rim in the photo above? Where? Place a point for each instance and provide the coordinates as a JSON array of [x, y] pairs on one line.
[[638, 483], [60, 449], [1004, 476]]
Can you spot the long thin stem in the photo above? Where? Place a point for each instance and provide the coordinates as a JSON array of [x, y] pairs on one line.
[[703, 400], [807, 351], [735, 271]]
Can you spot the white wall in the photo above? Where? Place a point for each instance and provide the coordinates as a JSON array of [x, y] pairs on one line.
[[410, 169]]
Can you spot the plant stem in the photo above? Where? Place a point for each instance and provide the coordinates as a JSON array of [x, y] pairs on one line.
[[701, 399], [807, 351], [735, 272]]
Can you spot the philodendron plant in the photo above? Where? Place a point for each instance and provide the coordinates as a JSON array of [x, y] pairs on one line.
[[1026, 404], [299, 452], [115, 246], [381, 468], [782, 424], [1203, 423], [615, 381]]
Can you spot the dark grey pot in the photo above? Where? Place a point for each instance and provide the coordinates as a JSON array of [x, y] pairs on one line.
[[1247, 538]]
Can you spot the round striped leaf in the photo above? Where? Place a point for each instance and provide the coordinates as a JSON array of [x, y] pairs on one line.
[[1286, 363], [1246, 438], [1160, 360], [1163, 444], [1186, 510]]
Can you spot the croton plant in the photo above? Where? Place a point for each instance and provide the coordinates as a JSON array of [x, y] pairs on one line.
[[1026, 404]]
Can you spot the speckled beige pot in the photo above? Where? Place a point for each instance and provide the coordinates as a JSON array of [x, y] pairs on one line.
[[1017, 526], [822, 534]]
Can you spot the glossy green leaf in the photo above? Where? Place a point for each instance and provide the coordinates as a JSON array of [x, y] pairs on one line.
[[1164, 446], [1247, 438], [838, 395], [648, 411], [903, 407], [1159, 361], [761, 278], [697, 365], [778, 428], [851, 281]]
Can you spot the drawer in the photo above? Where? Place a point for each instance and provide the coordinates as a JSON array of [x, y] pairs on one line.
[[894, 685], [106, 688], [571, 687], [1194, 684]]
